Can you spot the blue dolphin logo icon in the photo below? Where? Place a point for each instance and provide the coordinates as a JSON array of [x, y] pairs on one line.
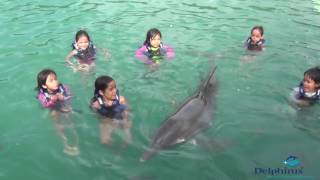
[[292, 161]]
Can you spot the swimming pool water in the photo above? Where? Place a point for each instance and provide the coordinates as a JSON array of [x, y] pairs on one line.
[[254, 124]]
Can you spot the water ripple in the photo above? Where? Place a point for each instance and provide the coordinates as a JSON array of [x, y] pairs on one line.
[[200, 7]]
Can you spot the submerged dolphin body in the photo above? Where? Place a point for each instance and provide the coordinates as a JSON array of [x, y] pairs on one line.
[[194, 115]]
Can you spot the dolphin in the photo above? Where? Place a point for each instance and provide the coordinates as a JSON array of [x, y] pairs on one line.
[[193, 116]]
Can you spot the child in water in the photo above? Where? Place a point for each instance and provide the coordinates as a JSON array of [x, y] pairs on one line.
[[111, 107], [308, 91], [56, 97], [84, 51], [153, 51], [256, 41]]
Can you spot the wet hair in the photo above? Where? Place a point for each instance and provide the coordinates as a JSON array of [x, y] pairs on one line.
[[101, 83], [259, 28], [42, 77], [151, 34], [82, 33], [313, 74]]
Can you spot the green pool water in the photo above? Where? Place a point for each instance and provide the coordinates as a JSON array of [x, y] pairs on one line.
[[254, 124]]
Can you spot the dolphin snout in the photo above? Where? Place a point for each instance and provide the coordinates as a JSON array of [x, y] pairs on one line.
[[147, 155]]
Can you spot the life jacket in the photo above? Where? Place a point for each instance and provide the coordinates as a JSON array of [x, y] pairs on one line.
[[254, 46], [157, 54], [88, 54], [308, 95], [114, 111], [60, 89]]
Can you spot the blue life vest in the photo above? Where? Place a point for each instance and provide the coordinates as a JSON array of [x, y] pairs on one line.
[[114, 111], [254, 46], [85, 55], [302, 94]]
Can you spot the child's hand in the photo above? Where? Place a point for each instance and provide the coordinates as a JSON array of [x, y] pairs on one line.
[[69, 56], [54, 98], [96, 105], [60, 96], [68, 62]]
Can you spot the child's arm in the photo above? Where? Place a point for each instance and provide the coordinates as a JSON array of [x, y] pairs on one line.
[[246, 42], [170, 51], [263, 45], [123, 100], [67, 94], [69, 56], [95, 106], [105, 52], [47, 102], [140, 54]]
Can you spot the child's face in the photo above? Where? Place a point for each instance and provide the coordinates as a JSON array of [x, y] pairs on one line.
[[155, 41], [111, 91], [256, 35], [309, 85], [83, 42], [52, 83]]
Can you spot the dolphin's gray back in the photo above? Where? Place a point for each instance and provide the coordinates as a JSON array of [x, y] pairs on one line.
[[194, 115], [176, 125], [191, 117]]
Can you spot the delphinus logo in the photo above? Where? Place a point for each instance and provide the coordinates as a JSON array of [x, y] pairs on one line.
[[292, 161], [292, 167]]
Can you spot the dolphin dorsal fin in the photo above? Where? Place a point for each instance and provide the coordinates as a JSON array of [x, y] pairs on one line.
[[207, 81]]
